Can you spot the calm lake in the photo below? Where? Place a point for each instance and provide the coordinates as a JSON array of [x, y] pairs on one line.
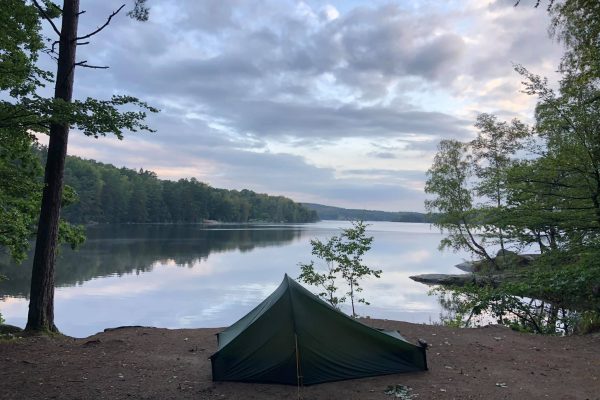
[[192, 276]]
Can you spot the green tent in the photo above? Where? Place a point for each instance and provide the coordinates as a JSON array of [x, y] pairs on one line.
[[293, 337]]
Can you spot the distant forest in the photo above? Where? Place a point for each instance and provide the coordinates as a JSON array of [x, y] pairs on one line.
[[108, 194], [346, 214]]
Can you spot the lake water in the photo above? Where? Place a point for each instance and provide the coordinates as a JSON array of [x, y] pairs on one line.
[[192, 276]]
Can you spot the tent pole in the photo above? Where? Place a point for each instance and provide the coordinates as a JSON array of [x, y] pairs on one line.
[[298, 377]]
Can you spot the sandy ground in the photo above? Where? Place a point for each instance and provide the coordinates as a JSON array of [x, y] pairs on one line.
[[150, 363]]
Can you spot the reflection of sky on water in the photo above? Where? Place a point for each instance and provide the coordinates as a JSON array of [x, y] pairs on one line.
[[218, 287]]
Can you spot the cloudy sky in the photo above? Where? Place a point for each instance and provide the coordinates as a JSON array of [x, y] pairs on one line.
[[339, 102]]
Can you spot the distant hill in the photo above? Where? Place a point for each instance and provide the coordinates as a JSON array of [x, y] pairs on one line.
[[349, 214]]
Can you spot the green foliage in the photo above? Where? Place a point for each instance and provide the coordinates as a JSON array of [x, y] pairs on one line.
[[73, 235], [559, 293], [492, 150], [450, 181], [343, 260], [119, 195], [456, 307], [568, 168], [576, 23], [91, 116], [20, 43], [20, 192], [20, 168], [325, 280], [567, 279], [470, 305], [535, 187], [588, 322], [471, 187], [140, 11], [20, 196]]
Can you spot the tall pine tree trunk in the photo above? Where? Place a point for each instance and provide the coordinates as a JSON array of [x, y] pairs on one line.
[[41, 303]]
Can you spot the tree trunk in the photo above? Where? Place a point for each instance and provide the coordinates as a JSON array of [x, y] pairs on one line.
[[498, 205], [352, 299], [41, 303]]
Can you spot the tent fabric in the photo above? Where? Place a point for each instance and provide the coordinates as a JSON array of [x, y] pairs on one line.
[[293, 337]]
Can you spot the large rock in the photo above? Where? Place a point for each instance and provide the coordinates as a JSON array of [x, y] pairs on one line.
[[480, 272], [467, 266], [458, 279], [506, 259], [443, 279]]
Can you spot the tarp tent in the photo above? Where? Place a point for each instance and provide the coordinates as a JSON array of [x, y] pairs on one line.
[[293, 337]]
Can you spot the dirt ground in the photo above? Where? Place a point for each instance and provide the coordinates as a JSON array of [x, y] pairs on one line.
[[150, 363]]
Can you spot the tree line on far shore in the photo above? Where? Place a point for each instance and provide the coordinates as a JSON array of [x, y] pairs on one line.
[[107, 194], [351, 214]]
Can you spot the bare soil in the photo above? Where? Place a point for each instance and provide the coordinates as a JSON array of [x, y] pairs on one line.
[[151, 363]]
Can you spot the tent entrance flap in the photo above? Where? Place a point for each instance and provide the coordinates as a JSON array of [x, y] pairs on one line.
[[295, 338]]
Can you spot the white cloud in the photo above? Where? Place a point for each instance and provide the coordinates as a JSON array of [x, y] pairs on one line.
[[329, 12], [286, 97]]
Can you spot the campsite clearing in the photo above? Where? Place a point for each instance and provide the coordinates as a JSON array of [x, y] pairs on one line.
[[151, 363]]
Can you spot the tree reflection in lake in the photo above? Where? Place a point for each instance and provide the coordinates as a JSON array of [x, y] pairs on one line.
[[179, 276], [123, 249]]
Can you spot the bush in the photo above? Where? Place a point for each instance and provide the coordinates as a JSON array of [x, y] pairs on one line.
[[342, 256]]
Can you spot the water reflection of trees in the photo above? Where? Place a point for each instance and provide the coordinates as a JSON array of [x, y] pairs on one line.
[[124, 249]]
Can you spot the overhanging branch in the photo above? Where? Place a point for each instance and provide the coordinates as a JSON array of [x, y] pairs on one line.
[[86, 65], [46, 17], [103, 26]]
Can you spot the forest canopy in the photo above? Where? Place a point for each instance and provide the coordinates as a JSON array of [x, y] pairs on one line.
[[108, 194]]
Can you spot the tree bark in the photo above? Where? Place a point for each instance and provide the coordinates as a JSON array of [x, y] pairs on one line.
[[41, 303]]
